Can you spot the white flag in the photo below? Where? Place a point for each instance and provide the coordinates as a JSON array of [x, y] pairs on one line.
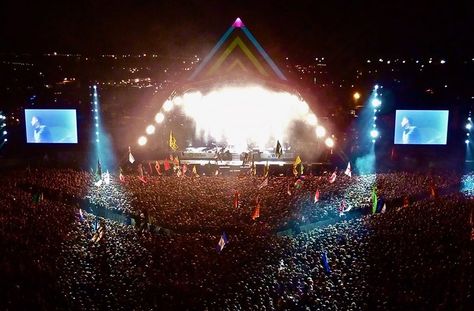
[[348, 169]]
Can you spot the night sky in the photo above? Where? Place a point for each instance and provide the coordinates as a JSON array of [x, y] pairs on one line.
[[298, 29]]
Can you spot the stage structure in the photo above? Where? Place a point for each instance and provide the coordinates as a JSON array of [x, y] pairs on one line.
[[237, 105]]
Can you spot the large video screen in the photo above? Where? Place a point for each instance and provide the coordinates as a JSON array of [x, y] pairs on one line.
[[421, 127], [51, 126]]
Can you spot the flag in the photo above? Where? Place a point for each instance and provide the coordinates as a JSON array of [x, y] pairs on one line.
[[325, 262], [80, 215], [217, 172], [158, 168], [301, 169], [278, 150], [264, 183], [298, 184], [236, 199], [316, 196], [343, 208], [348, 171], [332, 178], [256, 212], [98, 183], [297, 161], [151, 169], [185, 169], [172, 142], [195, 173], [384, 208], [166, 165], [176, 162], [289, 191], [99, 169], [295, 164], [107, 178], [222, 242], [131, 159], [406, 202], [266, 170], [374, 200], [122, 178], [37, 197]]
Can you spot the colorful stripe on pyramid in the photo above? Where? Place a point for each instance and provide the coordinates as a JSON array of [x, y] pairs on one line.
[[232, 53]]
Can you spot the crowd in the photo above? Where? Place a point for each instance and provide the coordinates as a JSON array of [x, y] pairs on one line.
[[417, 257]]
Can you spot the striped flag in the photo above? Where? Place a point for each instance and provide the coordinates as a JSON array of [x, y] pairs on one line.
[[332, 178]]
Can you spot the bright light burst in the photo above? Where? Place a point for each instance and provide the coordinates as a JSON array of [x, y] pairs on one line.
[[159, 117], [329, 142], [150, 129], [320, 131], [142, 140], [243, 115], [168, 105]]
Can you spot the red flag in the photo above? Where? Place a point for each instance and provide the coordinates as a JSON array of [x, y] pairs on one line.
[[316, 196], [158, 168], [332, 178], [256, 212], [236, 199], [167, 165]]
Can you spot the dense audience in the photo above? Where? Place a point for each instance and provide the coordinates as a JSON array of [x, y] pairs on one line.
[[55, 255]]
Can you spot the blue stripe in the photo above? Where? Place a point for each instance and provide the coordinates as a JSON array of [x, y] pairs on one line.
[[264, 54], [211, 54]]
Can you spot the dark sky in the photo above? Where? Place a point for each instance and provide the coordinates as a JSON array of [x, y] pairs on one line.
[[299, 29]]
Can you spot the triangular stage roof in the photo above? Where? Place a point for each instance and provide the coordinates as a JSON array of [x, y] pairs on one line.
[[237, 52]]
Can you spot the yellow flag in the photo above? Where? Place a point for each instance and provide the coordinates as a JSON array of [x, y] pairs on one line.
[[172, 142], [297, 161]]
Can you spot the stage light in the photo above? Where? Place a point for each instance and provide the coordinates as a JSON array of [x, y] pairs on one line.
[[97, 140], [443, 61], [312, 120], [467, 141], [95, 87], [374, 133], [356, 96], [142, 140], [5, 139], [150, 129], [469, 119], [320, 131], [4, 132], [375, 118], [168, 105], [329, 142], [232, 113], [159, 117], [376, 87], [469, 126], [376, 102]]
